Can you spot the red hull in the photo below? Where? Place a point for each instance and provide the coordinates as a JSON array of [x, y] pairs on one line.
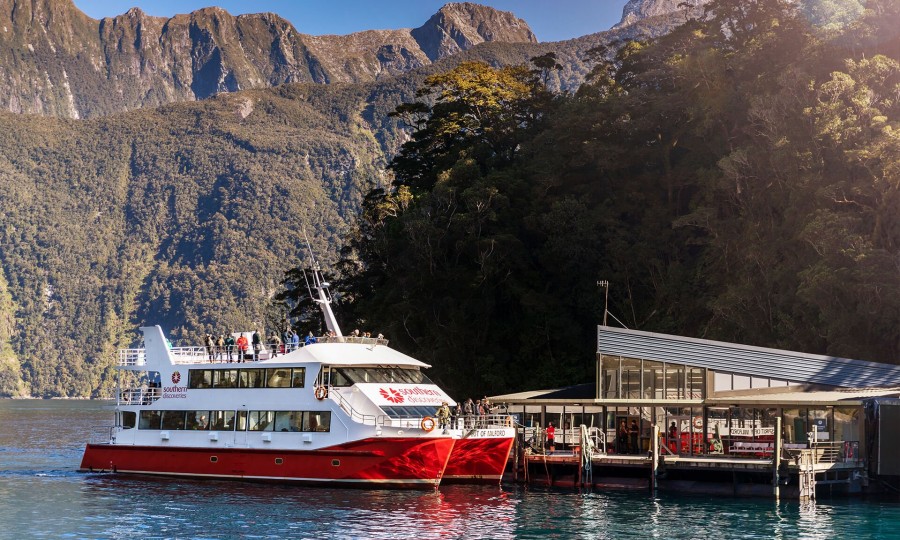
[[478, 461], [402, 462]]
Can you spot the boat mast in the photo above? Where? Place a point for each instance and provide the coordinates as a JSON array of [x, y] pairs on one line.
[[321, 296]]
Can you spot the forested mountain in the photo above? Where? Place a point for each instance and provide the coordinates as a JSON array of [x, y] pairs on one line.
[[186, 215], [736, 179]]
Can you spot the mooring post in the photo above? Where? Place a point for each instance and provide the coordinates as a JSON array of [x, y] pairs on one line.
[[654, 464], [776, 460]]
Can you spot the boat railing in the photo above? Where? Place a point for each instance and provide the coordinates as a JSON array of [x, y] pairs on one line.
[[353, 339], [139, 396], [132, 357], [356, 416], [482, 421], [102, 434]]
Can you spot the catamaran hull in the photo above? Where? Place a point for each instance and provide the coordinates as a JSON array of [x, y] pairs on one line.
[[378, 463], [478, 460]]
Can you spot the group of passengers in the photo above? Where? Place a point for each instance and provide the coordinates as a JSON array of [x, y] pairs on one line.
[[226, 347], [473, 413]]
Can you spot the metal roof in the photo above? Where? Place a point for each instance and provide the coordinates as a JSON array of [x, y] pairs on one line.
[[849, 396], [747, 360]]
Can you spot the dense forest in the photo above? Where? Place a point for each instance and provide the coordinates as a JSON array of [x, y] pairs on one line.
[[736, 179]]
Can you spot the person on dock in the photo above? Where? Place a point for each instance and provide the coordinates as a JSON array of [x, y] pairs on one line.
[[551, 437], [622, 438], [633, 437]]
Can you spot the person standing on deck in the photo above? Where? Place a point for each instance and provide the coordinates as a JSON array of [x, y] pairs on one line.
[[210, 347], [551, 437], [257, 345], [443, 416], [242, 345], [622, 438], [295, 340], [229, 347], [275, 342], [220, 347]]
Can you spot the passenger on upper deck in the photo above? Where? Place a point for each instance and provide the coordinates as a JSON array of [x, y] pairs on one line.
[[229, 347], [242, 345], [295, 340], [257, 345], [310, 339]]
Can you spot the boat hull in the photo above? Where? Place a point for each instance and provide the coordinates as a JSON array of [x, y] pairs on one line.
[[379, 463], [476, 460]]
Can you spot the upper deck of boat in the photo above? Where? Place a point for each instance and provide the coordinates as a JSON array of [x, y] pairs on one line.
[[222, 355]]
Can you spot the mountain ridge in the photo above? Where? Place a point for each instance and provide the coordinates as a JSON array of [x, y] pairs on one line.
[[64, 63]]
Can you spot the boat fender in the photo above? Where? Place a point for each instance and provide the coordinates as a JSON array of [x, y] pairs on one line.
[[321, 392], [427, 424]]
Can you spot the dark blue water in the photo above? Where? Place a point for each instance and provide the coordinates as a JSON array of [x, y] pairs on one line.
[[42, 496]]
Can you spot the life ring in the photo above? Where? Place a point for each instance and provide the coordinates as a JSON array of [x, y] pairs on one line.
[[427, 424], [321, 392], [698, 422]]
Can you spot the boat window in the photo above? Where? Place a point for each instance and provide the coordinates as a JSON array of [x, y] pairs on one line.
[[221, 420], [225, 378], [340, 378], [298, 377], [173, 420], [200, 378], [412, 411], [317, 421], [252, 378], [149, 420], [129, 419], [262, 421], [198, 420], [242, 421], [289, 420], [278, 378], [349, 376]]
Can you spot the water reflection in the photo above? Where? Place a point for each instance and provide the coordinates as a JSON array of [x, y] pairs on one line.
[[41, 496]]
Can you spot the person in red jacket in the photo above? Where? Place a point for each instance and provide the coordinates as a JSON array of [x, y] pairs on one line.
[[242, 345], [551, 436]]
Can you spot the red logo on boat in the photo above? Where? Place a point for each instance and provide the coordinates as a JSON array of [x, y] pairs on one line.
[[176, 377], [392, 395]]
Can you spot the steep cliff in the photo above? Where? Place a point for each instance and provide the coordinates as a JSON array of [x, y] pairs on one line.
[[639, 10], [55, 60]]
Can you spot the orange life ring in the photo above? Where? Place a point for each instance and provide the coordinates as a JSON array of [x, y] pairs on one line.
[[427, 424], [321, 392]]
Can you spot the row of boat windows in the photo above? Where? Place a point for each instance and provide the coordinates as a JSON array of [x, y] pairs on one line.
[[351, 376], [229, 420], [284, 377], [409, 411]]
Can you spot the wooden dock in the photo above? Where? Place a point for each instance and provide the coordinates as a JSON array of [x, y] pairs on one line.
[[797, 476]]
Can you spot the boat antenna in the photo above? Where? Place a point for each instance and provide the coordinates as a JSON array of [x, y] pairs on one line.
[[321, 295]]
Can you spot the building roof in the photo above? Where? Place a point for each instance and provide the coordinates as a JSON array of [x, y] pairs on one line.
[[747, 360], [848, 396]]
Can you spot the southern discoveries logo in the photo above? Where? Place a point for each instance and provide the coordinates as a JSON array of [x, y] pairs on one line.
[[425, 396], [175, 392]]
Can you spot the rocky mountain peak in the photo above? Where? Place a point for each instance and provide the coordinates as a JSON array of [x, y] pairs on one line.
[[638, 10], [461, 25]]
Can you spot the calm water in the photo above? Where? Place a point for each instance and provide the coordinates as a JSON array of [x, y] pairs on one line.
[[42, 496]]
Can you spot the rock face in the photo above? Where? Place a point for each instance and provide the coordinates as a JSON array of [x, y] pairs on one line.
[[638, 10], [55, 60]]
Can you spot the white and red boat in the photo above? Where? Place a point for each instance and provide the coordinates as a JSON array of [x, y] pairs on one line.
[[344, 410]]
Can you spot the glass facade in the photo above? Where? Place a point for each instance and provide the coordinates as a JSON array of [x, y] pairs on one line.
[[634, 378]]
